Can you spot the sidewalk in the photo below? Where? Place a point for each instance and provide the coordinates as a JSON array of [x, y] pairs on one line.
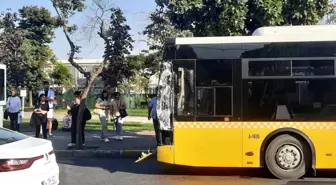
[[132, 140], [95, 117]]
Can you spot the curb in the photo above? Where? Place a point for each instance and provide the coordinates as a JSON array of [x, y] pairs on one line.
[[135, 154]]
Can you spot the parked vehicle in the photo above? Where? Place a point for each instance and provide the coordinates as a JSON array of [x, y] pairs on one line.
[[26, 160]]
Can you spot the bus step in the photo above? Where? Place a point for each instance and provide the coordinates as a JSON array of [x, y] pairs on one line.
[[145, 156]]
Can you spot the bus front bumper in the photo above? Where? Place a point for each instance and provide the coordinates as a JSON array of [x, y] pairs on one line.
[[165, 154]]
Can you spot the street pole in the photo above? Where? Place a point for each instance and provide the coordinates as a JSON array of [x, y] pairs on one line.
[[1, 116], [23, 94]]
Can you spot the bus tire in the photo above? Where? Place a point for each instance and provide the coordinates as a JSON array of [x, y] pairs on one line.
[[287, 157]]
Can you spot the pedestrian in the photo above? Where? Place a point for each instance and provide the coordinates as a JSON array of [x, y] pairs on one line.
[[14, 108], [102, 110], [41, 111], [74, 112], [55, 104], [152, 115], [118, 112], [50, 95], [66, 126]]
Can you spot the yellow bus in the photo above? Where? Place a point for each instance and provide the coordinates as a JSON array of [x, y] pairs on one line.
[[266, 100]]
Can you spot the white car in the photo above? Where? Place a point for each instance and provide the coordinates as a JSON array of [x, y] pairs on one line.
[[26, 160]]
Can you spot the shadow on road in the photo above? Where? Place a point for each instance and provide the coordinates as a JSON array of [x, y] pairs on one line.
[[152, 167]]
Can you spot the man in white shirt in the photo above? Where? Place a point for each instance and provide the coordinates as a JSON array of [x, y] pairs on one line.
[[14, 108], [50, 98]]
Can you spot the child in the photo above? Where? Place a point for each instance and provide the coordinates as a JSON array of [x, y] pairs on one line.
[[66, 126]]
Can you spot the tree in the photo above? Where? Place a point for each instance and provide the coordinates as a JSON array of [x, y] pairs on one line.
[[331, 16], [61, 75], [229, 18], [157, 32], [278, 12], [206, 18], [145, 64], [160, 28], [12, 55], [39, 24], [115, 34], [117, 69], [37, 27]]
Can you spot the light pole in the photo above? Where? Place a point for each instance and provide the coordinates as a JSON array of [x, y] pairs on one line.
[[23, 94]]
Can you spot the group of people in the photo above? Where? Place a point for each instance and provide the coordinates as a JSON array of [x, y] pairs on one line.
[[107, 107], [43, 113]]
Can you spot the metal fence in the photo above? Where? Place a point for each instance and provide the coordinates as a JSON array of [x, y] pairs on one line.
[[133, 101]]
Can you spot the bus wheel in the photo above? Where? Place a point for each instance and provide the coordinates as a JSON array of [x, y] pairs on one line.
[[287, 157]]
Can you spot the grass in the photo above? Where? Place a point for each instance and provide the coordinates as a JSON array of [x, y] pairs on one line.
[[92, 125], [131, 112]]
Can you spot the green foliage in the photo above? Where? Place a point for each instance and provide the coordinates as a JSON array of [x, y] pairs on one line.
[[8, 19], [38, 22], [144, 64], [118, 44], [228, 18], [331, 15], [278, 12], [28, 57], [143, 67], [206, 18], [36, 57], [161, 28], [61, 75], [68, 8], [11, 54]]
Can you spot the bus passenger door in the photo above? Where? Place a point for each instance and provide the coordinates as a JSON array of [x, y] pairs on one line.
[[213, 140]]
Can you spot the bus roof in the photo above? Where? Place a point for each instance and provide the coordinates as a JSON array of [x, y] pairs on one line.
[[295, 30], [319, 33]]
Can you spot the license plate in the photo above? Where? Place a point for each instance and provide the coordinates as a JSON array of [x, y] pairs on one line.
[[50, 181]]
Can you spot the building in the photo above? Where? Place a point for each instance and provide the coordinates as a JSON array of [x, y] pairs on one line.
[[79, 79]]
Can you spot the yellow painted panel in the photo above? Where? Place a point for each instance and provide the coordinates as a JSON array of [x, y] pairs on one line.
[[226, 144], [322, 138], [216, 144], [320, 133], [165, 154], [253, 145]]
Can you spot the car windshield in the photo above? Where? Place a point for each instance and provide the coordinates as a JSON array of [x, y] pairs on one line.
[[8, 136]]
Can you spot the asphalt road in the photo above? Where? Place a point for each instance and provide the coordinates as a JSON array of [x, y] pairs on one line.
[[150, 172]]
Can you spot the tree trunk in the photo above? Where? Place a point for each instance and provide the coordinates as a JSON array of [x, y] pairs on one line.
[[31, 99]]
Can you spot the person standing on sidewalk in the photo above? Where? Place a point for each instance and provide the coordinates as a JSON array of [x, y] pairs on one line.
[[118, 112], [102, 110], [50, 95], [41, 110], [14, 108], [74, 112], [152, 115]]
